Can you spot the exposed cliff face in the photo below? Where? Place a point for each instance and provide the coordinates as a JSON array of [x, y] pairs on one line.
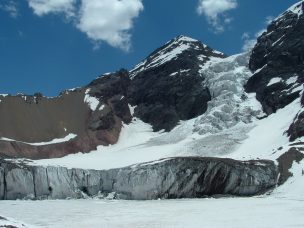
[[94, 114], [195, 178], [190, 177], [40, 119], [167, 86], [286, 161], [296, 129], [278, 61]]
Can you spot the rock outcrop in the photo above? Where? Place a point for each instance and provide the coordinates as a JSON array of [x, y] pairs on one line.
[[296, 129], [277, 61], [94, 113], [286, 161], [190, 177], [167, 86]]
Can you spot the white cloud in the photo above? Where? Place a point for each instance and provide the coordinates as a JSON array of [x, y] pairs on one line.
[[250, 41], [10, 7], [248, 44], [43, 7], [107, 21], [269, 19], [215, 11]]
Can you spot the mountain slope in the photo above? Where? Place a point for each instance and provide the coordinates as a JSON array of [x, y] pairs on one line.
[[277, 61], [167, 87], [246, 106], [29, 124], [250, 115]]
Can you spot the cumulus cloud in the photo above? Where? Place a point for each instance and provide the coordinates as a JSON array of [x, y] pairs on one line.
[[107, 21], [10, 7], [215, 11], [43, 7]]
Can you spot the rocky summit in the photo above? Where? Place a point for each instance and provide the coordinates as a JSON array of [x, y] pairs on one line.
[[188, 121], [277, 61]]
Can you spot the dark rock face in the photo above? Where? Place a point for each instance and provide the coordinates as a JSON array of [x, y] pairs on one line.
[[167, 86], [278, 63], [190, 177], [296, 129], [286, 161], [111, 91]]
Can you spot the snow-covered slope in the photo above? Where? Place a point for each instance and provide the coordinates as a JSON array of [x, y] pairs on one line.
[[218, 132]]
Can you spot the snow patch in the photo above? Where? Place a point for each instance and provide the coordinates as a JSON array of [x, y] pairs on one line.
[[93, 102], [297, 89], [186, 39], [54, 141], [101, 107], [274, 81], [291, 80], [165, 56], [132, 108]]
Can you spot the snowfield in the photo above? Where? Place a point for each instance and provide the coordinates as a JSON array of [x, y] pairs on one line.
[[211, 213], [283, 208], [257, 212]]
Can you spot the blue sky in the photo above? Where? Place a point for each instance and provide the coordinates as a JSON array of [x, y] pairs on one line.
[[50, 45]]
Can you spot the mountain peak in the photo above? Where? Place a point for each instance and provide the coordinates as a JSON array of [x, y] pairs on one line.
[[180, 47], [182, 38], [297, 8]]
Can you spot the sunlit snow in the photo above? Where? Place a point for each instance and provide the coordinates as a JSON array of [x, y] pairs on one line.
[[53, 141]]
